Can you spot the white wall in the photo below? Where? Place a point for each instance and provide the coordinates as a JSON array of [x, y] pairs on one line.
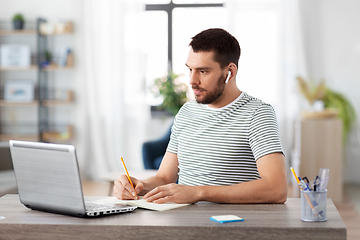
[[332, 30]]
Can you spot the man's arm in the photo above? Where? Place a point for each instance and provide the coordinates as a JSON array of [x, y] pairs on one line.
[[271, 188], [167, 173]]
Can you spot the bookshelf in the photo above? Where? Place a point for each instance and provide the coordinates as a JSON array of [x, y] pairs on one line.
[[41, 125]]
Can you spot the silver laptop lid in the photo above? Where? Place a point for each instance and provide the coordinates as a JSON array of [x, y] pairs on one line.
[[48, 176]]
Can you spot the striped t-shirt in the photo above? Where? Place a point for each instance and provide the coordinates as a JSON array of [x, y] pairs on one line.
[[220, 146]]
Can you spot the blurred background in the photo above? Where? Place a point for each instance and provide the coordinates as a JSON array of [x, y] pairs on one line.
[[84, 72]]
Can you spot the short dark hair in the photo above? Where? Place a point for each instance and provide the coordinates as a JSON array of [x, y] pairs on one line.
[[225, 46]]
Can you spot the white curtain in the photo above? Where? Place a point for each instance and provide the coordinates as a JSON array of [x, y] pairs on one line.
[[108, 26], [294, 63]]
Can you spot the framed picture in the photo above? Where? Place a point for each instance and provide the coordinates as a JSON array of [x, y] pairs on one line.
[[19, 91], [15, 55]]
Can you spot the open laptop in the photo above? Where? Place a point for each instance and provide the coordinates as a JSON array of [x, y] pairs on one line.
[[48, 180]]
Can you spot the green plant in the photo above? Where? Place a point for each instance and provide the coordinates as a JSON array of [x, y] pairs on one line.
[[347, 113], [331, 99], [18, 17], [172, 91], [48, 56]]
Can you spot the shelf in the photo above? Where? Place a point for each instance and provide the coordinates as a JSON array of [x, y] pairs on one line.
[[57, 136], [54, 67], [26, 32], [55, 34], [7, 137], [56, 102], [35, 68], [31, 68], [47, 136], [66, 101], [4, 103], [52, 102]]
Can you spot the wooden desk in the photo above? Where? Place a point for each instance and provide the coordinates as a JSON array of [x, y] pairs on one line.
[[262, 221]]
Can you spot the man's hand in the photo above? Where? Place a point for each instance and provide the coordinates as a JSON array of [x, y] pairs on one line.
[[173, 193], [123, 189]]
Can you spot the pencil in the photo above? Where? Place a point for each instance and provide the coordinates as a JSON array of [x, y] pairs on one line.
[[127, 173], [298, 180], [293, 171]]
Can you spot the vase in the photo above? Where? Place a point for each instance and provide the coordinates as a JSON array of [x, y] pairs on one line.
[[18, 25]]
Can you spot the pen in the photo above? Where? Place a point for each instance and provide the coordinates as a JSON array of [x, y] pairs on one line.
[[303, 186], [127, 173]]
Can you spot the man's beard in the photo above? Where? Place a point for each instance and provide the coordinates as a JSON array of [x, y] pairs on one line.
[[211, 97]]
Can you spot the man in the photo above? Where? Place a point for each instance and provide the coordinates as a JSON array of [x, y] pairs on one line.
[[225, 146]]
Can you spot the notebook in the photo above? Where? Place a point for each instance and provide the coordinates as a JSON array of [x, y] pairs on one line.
[[48, 179], [142, 203]]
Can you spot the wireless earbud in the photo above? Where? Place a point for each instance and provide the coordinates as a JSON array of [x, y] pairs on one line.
[[228, 77]]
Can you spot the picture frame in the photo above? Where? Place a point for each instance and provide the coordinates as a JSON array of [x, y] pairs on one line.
[[15, 55], [19, 91]]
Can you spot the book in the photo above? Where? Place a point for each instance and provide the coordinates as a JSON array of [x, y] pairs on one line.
[[141, 203], [66, 58], [226, 218]]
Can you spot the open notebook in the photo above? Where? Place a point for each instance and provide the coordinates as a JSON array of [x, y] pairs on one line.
[[141, 203]]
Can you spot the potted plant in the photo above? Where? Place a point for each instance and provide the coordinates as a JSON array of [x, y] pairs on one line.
[[335, 104], [18, 21], [47, 59], [172, 91]]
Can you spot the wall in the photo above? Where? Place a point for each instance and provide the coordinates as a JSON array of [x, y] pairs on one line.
[[332, 32]]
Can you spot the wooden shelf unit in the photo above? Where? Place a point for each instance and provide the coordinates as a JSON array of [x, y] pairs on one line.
[[46, 134]]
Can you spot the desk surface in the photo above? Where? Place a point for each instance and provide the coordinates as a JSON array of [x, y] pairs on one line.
[[262, 221]]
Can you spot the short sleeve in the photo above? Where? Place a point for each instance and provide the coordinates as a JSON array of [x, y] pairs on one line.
[[173, 143], [264, 136]]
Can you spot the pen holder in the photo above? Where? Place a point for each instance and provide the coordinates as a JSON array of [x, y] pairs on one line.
[[313, 206]]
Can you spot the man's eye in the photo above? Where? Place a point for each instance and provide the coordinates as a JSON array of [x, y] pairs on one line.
[[202, 72]]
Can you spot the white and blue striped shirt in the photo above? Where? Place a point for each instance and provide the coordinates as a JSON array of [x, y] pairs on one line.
[[220, 146]]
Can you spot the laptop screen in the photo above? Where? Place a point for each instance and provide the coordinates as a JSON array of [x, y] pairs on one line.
[[47, 176]]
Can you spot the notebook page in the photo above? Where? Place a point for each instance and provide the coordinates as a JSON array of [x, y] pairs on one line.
[[141, 203]]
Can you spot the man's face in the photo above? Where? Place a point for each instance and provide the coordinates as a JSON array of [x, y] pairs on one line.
[[206, 77]]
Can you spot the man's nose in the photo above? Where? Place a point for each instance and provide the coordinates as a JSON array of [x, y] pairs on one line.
[[194, 79]]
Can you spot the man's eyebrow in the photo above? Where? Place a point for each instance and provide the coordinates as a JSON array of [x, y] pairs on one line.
[[199, 68]]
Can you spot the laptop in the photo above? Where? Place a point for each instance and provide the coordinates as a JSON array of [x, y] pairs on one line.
[[48, 179]]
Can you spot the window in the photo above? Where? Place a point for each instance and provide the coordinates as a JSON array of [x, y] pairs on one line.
[[253, 23]]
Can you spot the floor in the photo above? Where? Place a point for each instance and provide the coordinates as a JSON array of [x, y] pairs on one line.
[[349, 209]]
